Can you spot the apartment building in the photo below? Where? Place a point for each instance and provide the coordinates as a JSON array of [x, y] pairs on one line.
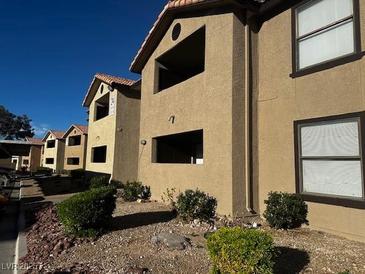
[[240, 98], [54, 150], [113, 132], [75, 147]]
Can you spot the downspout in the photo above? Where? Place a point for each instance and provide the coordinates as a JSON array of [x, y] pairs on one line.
[[248, 117]]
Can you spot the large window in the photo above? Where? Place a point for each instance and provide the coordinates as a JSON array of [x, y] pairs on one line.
[[325, 30], [182, 62], [330, 158], [181, 148], [99, 154], [102, 107], [51, 143], [49, 161], [74, 140]]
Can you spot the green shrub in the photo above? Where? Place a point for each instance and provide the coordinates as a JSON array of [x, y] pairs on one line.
[[99, 181], [87, 213], [196, 205], [285, 210], [237, 250], [135, 190], [77, 173]]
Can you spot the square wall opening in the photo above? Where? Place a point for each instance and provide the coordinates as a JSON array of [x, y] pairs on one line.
[[181, 148], [99, 154], [73, 161], [51, 143], [49, 161], [102, 107], [182, 62], [74, 140]]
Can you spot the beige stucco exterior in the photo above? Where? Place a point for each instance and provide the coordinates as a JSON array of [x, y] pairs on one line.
[[57, 153], [210, 101], [119, 131], [76, 151], [280, 100]]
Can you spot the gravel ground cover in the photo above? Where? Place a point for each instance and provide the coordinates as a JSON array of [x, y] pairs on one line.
[[129, 246]]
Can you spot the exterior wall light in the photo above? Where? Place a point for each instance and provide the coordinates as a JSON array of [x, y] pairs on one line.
[[143, 142]]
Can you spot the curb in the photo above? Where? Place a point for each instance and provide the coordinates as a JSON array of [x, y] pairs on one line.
[[21, 243]]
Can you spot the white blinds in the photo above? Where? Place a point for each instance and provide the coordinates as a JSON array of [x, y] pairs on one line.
[[332, 139], [327, 44], [323, 169]]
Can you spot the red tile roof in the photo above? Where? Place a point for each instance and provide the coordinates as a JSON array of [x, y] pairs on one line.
[[108, 79], [83, 129], [172, 5], [36, 141], [56, 133]]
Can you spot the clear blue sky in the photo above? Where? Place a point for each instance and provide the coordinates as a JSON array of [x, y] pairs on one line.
[[50, 50]]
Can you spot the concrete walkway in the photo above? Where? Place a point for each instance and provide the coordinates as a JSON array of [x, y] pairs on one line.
[[9, 231]]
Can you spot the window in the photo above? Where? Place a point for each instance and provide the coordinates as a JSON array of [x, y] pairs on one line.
[[74, 140], [25, 162], [102, 107], [182, 148], [328, 25], [182, 62], [73, 161], [99, 154], [51, 143], [330, 159], [15, 161], [49, 161]]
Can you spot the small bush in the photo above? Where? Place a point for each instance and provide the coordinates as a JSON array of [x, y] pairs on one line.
[[77, 173], [285, 210], [169, 197], [135, 190], [237, 250], [99, 181], [87, 213], [196, 205]]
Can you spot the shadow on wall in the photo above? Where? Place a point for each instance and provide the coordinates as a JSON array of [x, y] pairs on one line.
[[141, 219], [290, 260], [60, 185]]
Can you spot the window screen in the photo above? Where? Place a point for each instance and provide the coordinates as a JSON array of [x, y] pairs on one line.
[[330, 158], [327, 25]]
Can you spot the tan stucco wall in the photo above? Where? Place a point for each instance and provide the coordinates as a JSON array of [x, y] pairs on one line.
[[34, 158], [127, 136], [206, 102], [101, 132], [281, 100], [75, 151], [57, 153]]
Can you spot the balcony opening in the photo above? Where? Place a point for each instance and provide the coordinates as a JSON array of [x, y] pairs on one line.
[[99, 154], [51, 143], [182, 62], [73, 161], [181, 148], [74, 140], [102, 107], [49, 161], [25, 162]]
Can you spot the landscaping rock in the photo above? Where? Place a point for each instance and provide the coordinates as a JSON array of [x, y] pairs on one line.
[[171, 240]]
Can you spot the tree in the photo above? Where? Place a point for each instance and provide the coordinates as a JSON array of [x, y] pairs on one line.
[[13, 126]]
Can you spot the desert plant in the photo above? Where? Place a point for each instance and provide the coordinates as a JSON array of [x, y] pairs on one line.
[[285, 210], [237, 250], [99, 181], [168, 197], [77, 173], [87, 213], [135, 190], [196, 205]]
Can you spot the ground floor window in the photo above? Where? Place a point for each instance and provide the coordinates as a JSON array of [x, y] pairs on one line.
[[181, 148], [329, 158], [25, 162], [49, 161], [99, 154], [73, 161]]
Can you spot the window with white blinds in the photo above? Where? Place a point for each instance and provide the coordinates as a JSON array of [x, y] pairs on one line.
[[324, 31], [330, 158]]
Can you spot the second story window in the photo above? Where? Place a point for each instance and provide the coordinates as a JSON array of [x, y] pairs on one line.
[[325, 31], [51, 143], [102, 107], [74, 140]]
